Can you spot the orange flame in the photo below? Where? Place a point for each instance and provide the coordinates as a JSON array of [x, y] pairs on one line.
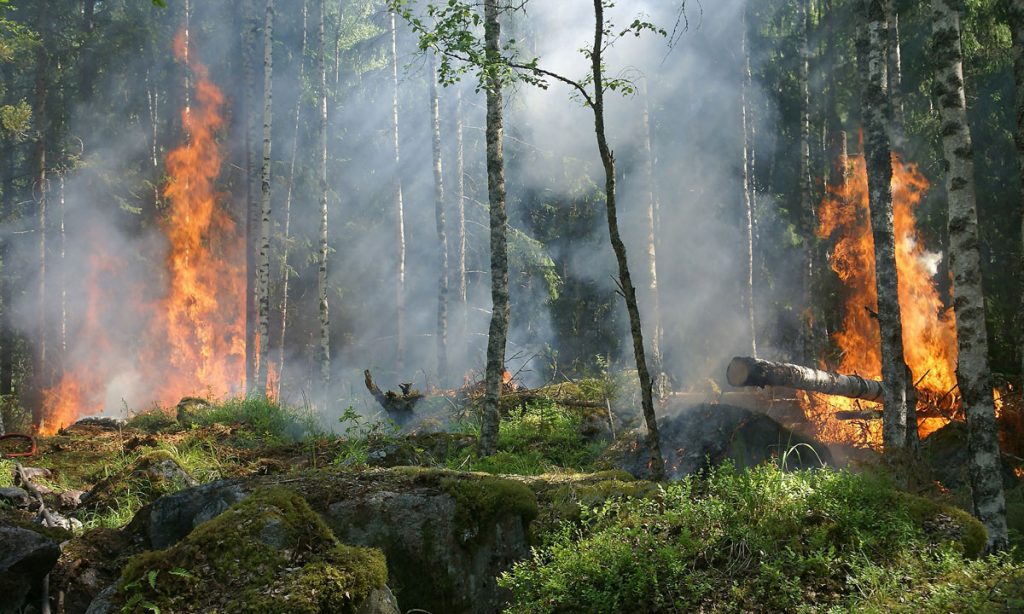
[[929, 328], [195, 339]]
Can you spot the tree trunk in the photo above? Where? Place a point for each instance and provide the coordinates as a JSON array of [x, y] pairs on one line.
[[249, 113], [286, 247], [1016, 14], [396, 186], [498, 331], [899, 427], [660, 377], [657, 464], [895, 73], [973, 372], [749, 371], [61, 277], [460, 183], [748, 202], [325, 337], [263, 264], [807, 208], [41, 374], [442, 235]]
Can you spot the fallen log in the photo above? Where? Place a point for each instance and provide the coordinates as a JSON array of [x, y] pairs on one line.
[[748, 371]]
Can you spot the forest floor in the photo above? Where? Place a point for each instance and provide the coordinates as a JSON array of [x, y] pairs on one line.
[[726, 540]]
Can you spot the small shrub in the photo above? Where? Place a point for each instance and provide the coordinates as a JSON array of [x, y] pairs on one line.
[[760, 540], [263, 421]]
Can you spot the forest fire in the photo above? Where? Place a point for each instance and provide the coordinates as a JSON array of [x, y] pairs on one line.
[[194, 338], [929, 329]]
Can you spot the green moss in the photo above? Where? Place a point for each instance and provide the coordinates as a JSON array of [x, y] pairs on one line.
[[480, 499], [269, 553], [948, 522]]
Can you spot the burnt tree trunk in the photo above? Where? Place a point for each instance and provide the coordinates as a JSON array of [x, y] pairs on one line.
[[749, 371]]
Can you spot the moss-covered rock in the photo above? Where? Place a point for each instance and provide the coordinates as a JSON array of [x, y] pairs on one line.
[[269, 553]]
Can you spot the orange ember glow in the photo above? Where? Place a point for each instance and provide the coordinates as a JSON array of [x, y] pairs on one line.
[[194, 337], [929, 329]]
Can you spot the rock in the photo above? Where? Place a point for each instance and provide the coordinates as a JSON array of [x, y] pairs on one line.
[[446, 535], [103, 603], [34, 473], [107, 423], [70, 499], [707, 435], [89, 563], [14, 496], [25, 559], [172, 517], [945, 453], [268, 553], [380, 601], [187, 409]]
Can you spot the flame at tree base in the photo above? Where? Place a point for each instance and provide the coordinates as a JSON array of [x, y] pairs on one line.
[[929, 328], [193, 337]]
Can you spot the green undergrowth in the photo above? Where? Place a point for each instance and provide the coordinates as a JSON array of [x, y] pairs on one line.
[[269, 553], [536, 438], [760, 540]]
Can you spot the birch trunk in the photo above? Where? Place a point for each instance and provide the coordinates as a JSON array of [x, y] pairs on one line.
[[657, 464], [1016, 14], [895, 70], [442, 235], [748, 202], [460, 183], [498, 330], [973, 372], [286, 247], [396, 186], [324, 353], [897, 421], [61, 277], [263, 264], [248, 41], [807, 209], [657, 362], [39, 112]]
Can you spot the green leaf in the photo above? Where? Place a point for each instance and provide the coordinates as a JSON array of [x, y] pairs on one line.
[[160, 3]]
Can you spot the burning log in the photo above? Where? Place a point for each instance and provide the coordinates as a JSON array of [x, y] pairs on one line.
[[747, 371]]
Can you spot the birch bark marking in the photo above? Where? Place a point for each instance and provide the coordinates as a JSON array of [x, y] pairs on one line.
[[498, 330], [973, 372], [324, 353], [460, 171], [396, 186], [875, 107], [263, 264], [442, 236]]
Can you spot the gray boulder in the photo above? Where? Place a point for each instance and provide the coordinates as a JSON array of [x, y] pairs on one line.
[[25, 559]]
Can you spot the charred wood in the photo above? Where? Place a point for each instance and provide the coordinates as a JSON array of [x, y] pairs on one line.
[[747, 371]]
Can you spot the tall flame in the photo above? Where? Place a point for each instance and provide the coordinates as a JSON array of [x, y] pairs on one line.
[[929, 328], [194, 338]]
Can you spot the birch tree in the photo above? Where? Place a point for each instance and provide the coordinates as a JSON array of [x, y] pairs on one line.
[[286, 242], [396, 186], [324, 350], [973, 374], [249, 114], [263, 263], [442, 235], [748, 196], [895, 76], [899, 427]]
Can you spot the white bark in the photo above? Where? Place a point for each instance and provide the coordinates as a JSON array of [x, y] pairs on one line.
[[396, 186], [973, 374], [263, 261], [324, 353]]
